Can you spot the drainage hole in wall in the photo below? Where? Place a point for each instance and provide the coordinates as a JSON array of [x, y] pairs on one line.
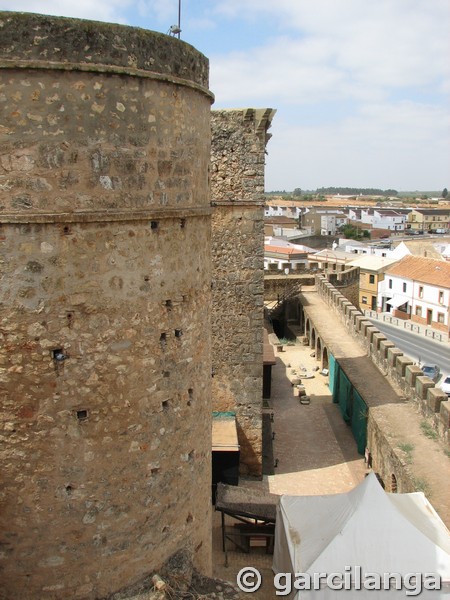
[[82, 415], [58, 354]]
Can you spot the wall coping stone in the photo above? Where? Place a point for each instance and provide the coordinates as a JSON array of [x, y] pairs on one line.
[[423, 383], [435, 397], [402, 363], [444, 413], [386, 345], [392, 354], [377, 339], [411, 373]]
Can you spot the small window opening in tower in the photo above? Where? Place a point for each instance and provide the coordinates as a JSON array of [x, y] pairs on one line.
[[191, 396], [69, 317]]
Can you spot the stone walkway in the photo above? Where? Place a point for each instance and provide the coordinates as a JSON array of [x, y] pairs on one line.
[[316, 455], [401, 421]]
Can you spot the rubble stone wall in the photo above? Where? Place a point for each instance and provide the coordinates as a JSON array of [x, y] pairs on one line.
[[239, 140], [105, 369]]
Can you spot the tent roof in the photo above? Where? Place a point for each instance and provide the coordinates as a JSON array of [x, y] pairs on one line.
[[367, 527]]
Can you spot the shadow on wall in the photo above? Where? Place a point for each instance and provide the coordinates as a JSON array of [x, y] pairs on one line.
[[253, 462]]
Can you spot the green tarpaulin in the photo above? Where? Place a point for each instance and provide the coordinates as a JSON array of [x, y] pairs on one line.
[[352, 406]]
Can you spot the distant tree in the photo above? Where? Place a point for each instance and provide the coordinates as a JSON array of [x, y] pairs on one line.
[[366, 233], [297, 192], [349, 191], [445, 193]]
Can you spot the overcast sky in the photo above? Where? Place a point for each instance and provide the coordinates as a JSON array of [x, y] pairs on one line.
[[361, 87]]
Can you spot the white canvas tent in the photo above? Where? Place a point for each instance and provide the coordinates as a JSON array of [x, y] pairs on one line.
[[366, 527]]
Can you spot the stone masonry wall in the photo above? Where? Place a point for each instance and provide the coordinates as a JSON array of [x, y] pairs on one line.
[[239, 139], [105, 369]]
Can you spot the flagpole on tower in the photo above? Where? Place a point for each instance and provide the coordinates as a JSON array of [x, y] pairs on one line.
[[175, 30]]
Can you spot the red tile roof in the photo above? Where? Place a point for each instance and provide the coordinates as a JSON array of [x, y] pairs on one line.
[[425, 270]]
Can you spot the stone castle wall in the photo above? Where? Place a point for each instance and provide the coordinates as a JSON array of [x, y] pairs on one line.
[[386, 456], [239, 140], [406, 377], [105, 368]]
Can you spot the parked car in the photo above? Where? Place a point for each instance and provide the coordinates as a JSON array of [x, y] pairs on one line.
[[431, 371], [445, 385]]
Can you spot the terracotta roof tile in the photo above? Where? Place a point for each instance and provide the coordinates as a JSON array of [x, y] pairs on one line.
[[425, 270]]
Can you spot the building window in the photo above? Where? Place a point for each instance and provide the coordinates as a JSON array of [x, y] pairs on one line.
[[440, 318], [420, 291], [390, 284], [441, 297], [418, 311], [364, 300], [371, 278], [404, 287]]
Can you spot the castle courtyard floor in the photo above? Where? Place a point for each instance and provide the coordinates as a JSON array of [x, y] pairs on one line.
[[314, 451]]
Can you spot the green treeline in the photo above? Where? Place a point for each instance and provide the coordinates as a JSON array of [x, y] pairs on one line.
[[344, 191]]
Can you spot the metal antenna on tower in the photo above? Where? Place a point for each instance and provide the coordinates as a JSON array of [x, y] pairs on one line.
[[175, 30]]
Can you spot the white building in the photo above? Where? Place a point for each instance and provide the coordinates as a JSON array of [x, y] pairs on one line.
[[418, 288], [292, 211], [330, 224], [384, 218], [279, 254]]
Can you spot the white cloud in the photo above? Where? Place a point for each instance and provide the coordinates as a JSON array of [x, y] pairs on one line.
[[373, 43], [373, 73], [404, 146], [100, 10]]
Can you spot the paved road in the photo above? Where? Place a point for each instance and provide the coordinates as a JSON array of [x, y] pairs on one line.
[[416, 346]]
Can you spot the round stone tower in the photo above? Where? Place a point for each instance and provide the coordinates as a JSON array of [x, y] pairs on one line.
[[104, 305]]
